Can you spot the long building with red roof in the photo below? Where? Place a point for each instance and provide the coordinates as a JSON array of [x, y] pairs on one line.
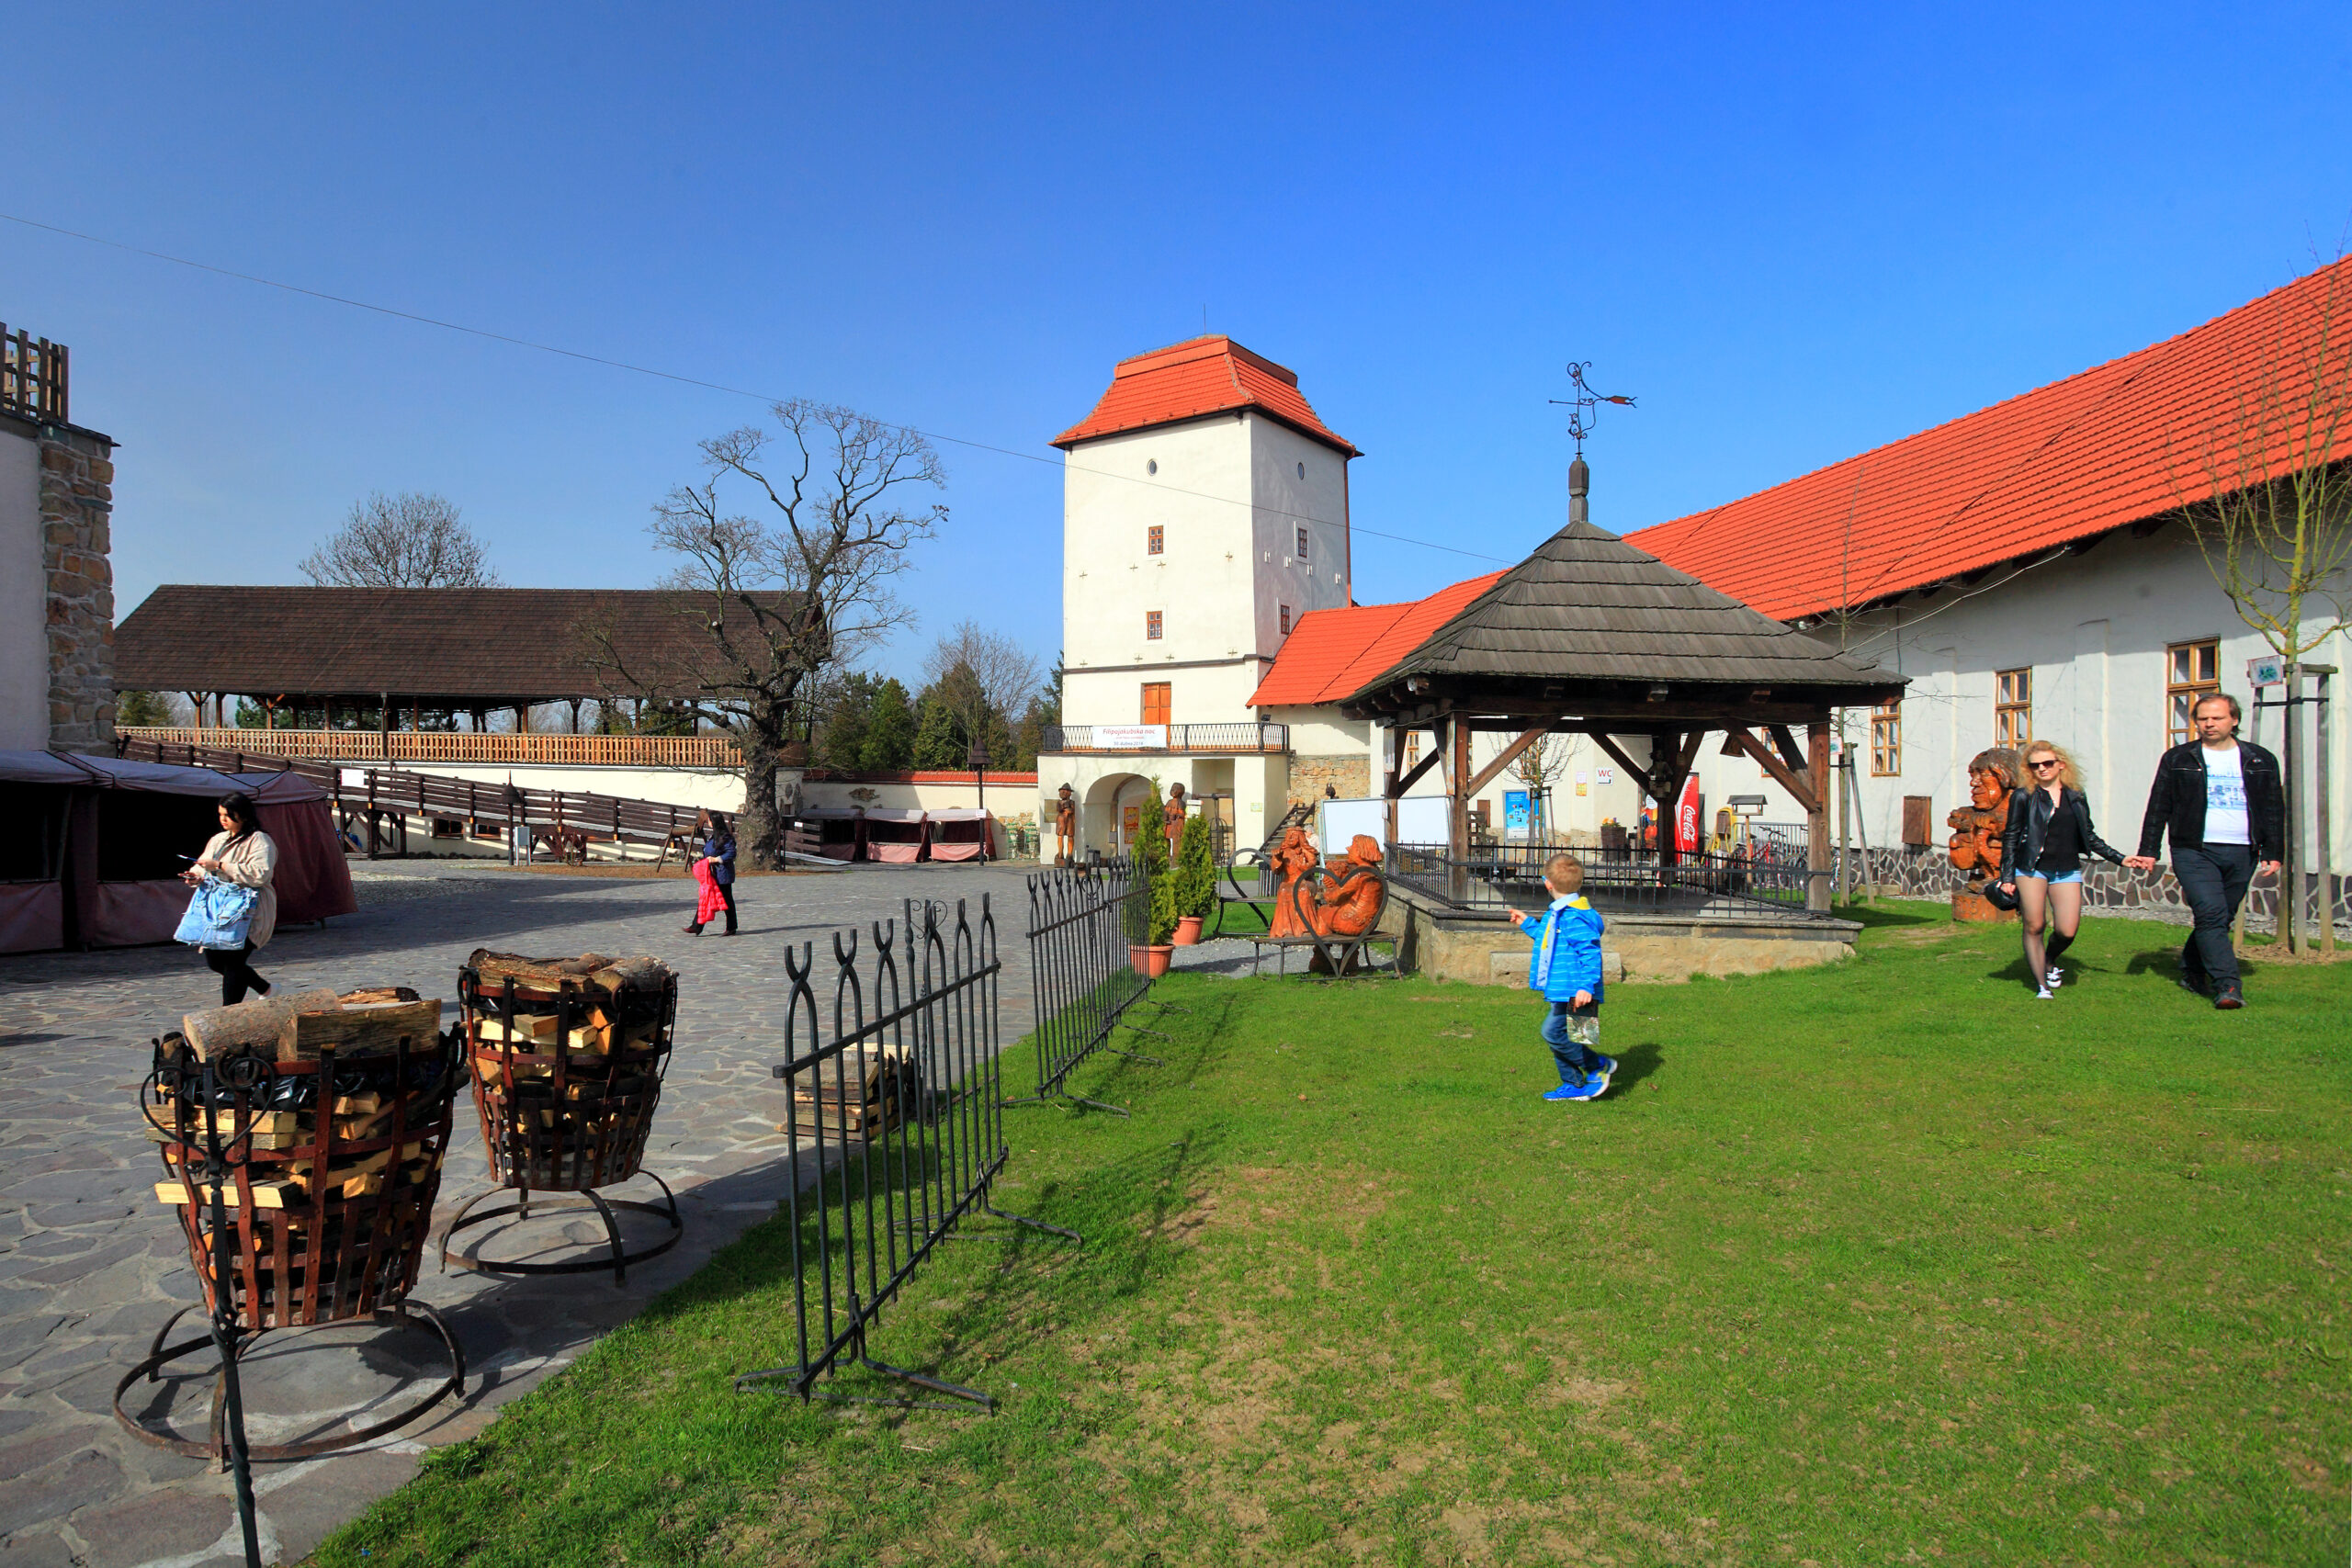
[[2029, 565]]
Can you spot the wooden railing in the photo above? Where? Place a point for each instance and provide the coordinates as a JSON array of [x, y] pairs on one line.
[[439, 746], [32, 376]]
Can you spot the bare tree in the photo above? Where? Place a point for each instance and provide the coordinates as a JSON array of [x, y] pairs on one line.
[[411, 540], [786, 594], [2268, 493], [1003, 677]]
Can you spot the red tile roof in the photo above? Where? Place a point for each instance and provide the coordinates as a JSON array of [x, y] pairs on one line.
[[1331, 653], [1192, 380], [2117, 443]]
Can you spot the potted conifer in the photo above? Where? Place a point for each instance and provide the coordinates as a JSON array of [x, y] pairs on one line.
[[1195, 881], [1150, 947]]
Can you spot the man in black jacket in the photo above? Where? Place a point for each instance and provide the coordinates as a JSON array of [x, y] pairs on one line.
[[2222, 802]]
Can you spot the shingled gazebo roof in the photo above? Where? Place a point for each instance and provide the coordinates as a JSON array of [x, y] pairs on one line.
[[1589, 624], [465, 647]]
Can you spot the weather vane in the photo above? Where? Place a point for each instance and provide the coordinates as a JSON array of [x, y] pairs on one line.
[[1584, 408]]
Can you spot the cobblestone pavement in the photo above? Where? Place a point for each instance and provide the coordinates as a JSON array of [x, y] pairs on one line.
[[91, 1265]]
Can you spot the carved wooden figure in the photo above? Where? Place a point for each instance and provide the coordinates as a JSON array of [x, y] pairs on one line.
[[1349, 900], [1977, 829], [1172, 817], [1295, 858], [1065, 827]]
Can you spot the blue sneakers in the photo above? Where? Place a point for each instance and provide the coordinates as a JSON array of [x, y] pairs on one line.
[[1593, 1087], [1608, 1067]]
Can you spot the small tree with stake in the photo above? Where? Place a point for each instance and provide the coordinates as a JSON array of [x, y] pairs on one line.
[[1195, 873], [784, 596], [2268, 493], [1151, 863]]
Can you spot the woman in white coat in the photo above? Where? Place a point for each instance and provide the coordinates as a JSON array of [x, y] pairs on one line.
[[241, 853]]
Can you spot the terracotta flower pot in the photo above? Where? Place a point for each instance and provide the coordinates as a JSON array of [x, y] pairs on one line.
[[1188, 931], [1152, 962]]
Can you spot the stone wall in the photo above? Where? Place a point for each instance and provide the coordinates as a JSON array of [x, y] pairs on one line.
[[1929, 874], [76, 513], [1350, 776]]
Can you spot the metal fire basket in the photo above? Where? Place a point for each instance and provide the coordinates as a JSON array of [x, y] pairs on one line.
[[567, 1071], [305, 1189]]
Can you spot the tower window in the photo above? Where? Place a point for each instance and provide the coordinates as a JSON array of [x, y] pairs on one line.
[[1301, 470], [1302, 545], [1152, 626], [1155, 540], [1285, 609], [1151, 466]]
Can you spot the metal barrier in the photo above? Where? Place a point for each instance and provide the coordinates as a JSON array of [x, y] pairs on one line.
[[1083, 923], [1768, 876], [905, 1098]]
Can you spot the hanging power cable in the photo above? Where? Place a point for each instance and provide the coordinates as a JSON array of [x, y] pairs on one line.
[[512, 341]]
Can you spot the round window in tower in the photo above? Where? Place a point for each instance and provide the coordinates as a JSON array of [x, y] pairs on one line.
[[1301, 470], [1151, 466]]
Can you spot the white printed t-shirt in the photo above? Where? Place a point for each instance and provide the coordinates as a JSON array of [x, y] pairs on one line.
[[2225, 821]]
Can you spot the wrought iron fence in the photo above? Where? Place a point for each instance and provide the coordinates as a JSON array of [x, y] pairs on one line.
[[1083, 923], [1766, 875], [904, 1098]]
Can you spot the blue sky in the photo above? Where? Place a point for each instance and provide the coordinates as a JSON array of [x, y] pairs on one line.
[[1793, 235]]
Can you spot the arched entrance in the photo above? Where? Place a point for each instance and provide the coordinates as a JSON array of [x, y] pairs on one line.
[[1118, 805]]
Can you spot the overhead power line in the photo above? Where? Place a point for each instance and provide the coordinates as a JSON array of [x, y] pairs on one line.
[[508, 338]]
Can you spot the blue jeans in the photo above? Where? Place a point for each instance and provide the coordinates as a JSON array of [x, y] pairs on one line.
[[1569, 1054], [2213, 879]]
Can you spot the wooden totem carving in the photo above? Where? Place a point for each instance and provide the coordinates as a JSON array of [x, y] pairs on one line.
[[1065, 827], [1977, 829]]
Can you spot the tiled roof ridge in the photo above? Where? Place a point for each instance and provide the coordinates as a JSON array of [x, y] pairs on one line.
[[2090, 464]]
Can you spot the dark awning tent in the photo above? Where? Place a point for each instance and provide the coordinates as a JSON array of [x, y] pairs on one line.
[[960, 832], [897, 837], [840, 829], [96, 855]]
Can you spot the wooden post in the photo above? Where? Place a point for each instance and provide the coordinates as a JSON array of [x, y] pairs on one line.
[[1457, 835], [384, 724], [2320, 802], [1816, 849], [1392, 748]]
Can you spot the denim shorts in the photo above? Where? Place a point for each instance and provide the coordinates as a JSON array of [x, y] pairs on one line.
[[2051, 875]]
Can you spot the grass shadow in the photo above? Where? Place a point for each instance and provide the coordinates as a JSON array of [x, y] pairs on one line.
[[1875, 917], [1638, 1063]]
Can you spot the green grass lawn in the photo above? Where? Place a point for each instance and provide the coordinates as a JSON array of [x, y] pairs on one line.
[[1881, 1263]]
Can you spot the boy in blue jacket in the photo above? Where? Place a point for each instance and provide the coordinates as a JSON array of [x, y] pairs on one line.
[[1565, 967]]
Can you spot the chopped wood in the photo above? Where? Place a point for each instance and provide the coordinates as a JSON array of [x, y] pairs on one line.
[[365, 1104], [216, 1030], [529, 1028], [267, 1194], [368, 996], [375, 1029]]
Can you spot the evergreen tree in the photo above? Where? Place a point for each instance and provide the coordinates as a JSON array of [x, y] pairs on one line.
[[142, 709], [887, 745], [939, 740], [847, 715]]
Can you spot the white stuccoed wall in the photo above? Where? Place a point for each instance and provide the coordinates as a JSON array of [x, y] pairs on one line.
[[24, 621], [2094, 629]]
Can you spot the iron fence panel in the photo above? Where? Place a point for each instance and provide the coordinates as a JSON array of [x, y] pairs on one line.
[[901, 1107], [1083, 923], [1767, 876]]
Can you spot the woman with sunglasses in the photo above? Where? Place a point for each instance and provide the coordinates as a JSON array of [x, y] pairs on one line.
[[2049, 833]]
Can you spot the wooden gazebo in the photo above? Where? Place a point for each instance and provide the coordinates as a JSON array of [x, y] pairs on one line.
[[1589, 636]]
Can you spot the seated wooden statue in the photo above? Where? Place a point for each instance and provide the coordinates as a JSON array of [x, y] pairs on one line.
[[1349, 900], [1295, 860]]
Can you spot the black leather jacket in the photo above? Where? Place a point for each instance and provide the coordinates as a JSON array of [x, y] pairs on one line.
[[2031, 812], [2177, 801]]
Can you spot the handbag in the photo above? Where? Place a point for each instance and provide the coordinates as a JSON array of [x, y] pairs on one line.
[[220, 916]]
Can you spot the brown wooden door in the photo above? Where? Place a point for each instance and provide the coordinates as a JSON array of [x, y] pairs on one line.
[[1155, 701]]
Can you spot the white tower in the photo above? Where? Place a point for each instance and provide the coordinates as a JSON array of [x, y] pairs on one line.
[[1204, 511]]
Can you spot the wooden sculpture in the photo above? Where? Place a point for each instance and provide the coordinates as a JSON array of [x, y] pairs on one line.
[[1976, 833], [1172, 817], [1065, 825], [1349, 900], [1295, 860]]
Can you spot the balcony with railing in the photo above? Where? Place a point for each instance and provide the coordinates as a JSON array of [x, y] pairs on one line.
[[1216, 739], [32, 376]]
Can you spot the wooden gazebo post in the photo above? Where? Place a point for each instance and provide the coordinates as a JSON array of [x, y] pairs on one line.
[[1817, 819]]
